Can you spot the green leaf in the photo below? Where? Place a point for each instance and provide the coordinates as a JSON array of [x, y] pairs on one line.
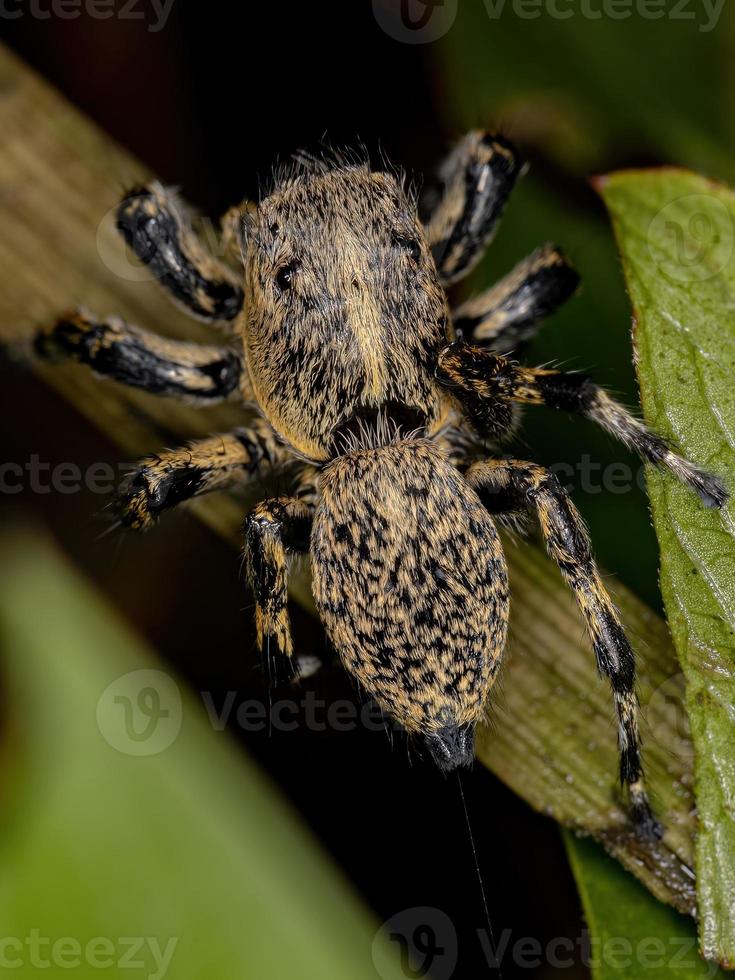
[[676, 234], [150, 830], [631, 934]]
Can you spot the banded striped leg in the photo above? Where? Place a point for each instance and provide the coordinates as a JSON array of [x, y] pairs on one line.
[[156, 226], [509, 314], [486, 384], [219, 462], [274, 530], [508, 485], [478, 177], [141, 359]]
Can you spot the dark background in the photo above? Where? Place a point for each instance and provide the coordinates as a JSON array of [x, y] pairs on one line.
[[209, 103]]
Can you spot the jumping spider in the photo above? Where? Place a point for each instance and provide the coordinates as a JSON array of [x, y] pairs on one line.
[[345, 343]]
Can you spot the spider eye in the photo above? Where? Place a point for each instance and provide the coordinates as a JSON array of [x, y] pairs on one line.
[[408, 244], [284, 276]]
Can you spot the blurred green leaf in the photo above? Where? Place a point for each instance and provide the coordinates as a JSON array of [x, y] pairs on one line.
[[130, 828], [587, 87], [676, 233], [631, 934]]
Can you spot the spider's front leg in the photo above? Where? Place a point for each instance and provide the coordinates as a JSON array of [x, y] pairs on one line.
[[487, 384], [508, 314], [216, 463], [116, 349], [478, 177], [156, 225], [274, 530], [507, 486]]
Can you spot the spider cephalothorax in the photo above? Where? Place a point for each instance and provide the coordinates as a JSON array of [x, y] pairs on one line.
[[344, 311], [342, 338]]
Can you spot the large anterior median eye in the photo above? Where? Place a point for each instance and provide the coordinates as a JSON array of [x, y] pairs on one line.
[[285, 275], [407, 244]]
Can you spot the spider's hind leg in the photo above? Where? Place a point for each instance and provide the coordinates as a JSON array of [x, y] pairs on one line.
[[274, 529], [155, 224], [141, 359], [512, 484], [478, 177]]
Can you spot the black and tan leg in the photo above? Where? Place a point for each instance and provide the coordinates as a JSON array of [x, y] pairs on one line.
[[141, 359], [275, 529], [478, 177], [485, 383], [157, 227], [514, 485], [219, 462], [508, 315]]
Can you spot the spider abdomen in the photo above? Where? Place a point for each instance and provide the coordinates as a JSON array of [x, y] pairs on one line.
[[410, 581]]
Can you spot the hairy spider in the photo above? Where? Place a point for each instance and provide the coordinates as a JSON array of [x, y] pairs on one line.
[[345, 343]]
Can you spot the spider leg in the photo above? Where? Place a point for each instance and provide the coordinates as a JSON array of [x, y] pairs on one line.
[[141, 359], [216, 463], [156, 226], [511, 485], [508, 314], [478, 177], [484, 382], [274, 529]]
